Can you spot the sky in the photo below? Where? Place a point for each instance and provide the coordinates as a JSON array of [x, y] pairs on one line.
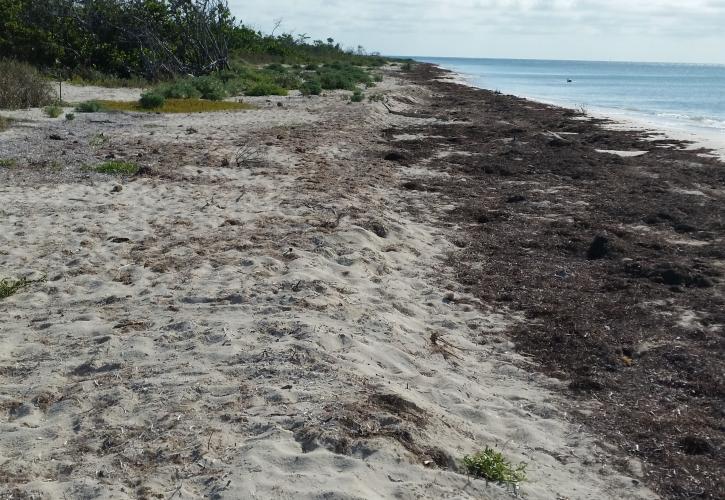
[[618, 30]]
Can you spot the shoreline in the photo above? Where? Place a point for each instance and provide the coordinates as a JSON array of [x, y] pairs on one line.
[[354, 313], [614, 259], [699, 137]]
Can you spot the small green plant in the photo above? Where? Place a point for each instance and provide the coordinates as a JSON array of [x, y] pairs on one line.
[[7, 163], [151, 100], [97, 140], [117, 168], [4, 123], [53, 111], [70, 117], [311, 87], [10, 287], [89, 107], [407, 66], [491, 465], [357, 96]]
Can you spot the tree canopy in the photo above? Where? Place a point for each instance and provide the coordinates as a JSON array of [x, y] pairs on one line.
[[147, 38]]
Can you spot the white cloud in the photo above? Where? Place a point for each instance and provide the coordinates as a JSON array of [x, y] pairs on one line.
[[650, 29]]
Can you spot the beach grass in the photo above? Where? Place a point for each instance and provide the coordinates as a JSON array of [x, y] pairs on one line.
[[177, 106], [4, 123], [10, 286], [491, 465], [7, 162], [117, 168], [53, 111]]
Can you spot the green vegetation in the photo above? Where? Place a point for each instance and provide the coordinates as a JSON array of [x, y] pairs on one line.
[[151, 100], [4, 123], [21, 86], [311, 87], [266, 88], [10, 287], [89, 107], [53, 111], [7, 163], [179, 49], [177, 106], [97, 140], [343, 76], [70, 117], [492, 466], [117, 168], [357, 96], [121, 41]]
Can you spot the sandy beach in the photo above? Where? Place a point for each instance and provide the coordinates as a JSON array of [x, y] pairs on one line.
[[360, 303]]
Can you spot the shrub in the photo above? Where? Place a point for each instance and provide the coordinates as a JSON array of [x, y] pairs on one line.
[[492, 466], [7, 163], [89, 107], [265, 88], [342, 76], [117, 168], [21, 86], [151, 100], [182, 89], [287, 80], [70, 117], [311, 87], [210, 88], [53, 111], [357, 96]]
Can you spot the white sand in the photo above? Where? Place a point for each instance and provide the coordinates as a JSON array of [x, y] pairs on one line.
[[239, 344]]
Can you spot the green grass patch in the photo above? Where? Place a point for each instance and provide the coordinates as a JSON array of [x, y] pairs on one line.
[[89, 107], [178, 106], [53, 111], [357, 96], [491, 465], [151, 100], [7, 163], [10, 287], [117, 168]]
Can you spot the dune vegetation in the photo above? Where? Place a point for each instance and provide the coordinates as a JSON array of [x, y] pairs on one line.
[[182, 50]]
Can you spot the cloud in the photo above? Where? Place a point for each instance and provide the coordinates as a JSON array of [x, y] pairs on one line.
[[383, 25]]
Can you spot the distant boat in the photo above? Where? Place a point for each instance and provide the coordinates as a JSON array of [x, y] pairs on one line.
[[569, 81]]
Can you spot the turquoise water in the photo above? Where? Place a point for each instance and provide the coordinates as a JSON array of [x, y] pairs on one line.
[[688, 96]]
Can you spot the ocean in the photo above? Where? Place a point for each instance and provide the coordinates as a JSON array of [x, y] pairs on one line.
[[687, 97]]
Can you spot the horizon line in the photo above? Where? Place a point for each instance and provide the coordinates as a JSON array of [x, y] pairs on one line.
[[559, 60]]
